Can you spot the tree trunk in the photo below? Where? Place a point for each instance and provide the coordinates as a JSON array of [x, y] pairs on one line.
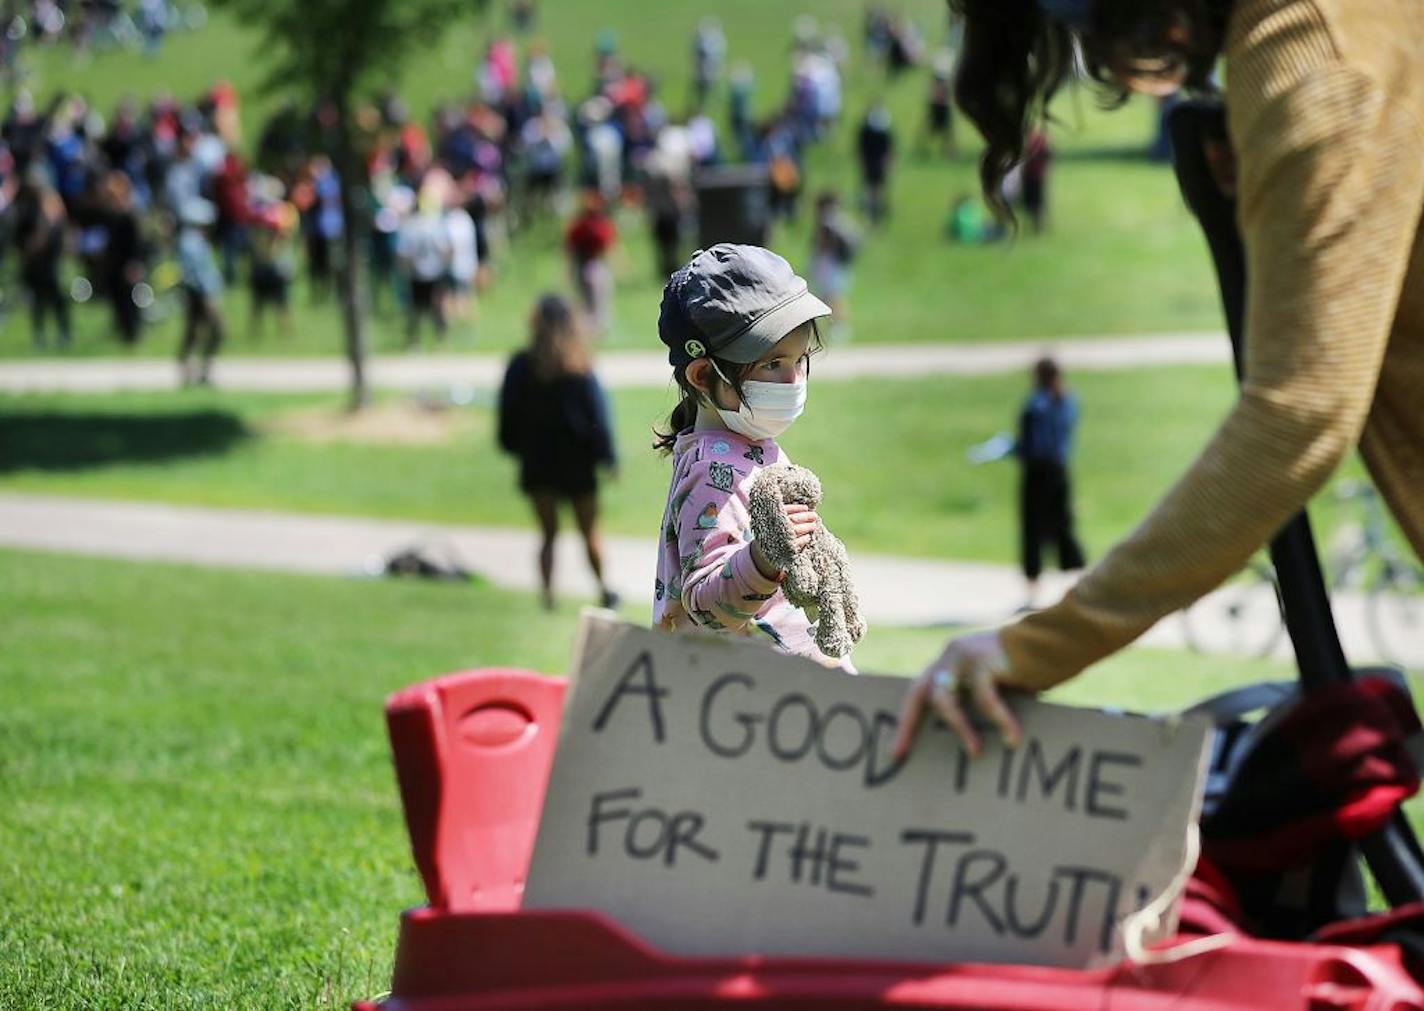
[[348, 278]]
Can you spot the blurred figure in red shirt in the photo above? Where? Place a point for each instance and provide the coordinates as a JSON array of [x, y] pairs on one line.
[[231, 197], [588, 242]]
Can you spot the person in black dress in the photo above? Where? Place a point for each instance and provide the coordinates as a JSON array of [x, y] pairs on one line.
[[553, 418]]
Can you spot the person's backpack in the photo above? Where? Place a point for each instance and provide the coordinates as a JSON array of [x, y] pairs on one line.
[[424, 561]]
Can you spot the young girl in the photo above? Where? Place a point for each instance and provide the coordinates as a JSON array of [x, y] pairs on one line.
[[740, 329]]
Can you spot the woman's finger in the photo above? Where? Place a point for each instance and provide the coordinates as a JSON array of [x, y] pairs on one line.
[[947, 703], [912, 707], [795, 509], [985, 691]]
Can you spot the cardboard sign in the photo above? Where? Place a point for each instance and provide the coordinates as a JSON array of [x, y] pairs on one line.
[[718, 799]]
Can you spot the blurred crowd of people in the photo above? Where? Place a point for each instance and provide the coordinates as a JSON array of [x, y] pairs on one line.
[[161, 208], [88, 26]]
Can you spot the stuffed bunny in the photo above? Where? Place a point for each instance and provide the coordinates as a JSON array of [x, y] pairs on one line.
[[818, 578]]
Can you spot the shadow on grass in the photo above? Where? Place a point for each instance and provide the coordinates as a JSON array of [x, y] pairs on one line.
[[62, 440]]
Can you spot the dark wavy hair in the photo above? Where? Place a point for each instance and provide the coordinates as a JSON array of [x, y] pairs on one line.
[[1015, 58], [684, 415]]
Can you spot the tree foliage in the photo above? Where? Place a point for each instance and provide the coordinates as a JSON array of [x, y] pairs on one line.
[[332, 51], [331, 48]]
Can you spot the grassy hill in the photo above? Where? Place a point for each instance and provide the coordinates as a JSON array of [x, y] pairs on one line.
[[1122, 255], [199, 806]]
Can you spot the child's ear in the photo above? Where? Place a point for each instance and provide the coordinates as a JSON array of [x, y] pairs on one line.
[[699, 374]]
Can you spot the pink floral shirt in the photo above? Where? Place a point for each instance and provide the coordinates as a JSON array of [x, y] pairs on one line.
[[706, 578]]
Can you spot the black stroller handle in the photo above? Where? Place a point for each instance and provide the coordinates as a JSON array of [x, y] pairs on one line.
[[1393, 854], [1306, 604]]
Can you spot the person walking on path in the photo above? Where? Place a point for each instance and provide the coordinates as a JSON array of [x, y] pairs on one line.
[[203, 288], [1043, 448], [1325, 112], [553, 418]]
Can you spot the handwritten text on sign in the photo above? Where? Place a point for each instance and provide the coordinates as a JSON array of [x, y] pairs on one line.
[[718, 798]]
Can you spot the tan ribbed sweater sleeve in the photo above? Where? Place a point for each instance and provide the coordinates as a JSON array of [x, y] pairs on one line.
[[1325, 166]]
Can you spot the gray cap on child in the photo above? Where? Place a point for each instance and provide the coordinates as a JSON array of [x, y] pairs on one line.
[[733, 302]]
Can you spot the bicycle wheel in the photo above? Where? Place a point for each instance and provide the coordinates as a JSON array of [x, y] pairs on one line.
[[1241, 617], [1396, 615]]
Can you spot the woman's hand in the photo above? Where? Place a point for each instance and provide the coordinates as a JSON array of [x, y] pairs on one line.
[[970, 670], [803, 521]]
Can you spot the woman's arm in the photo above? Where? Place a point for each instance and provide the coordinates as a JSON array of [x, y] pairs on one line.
[[510, 396], [1331, 185], [604, 445]]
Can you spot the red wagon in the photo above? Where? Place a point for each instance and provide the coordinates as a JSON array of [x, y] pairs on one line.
[[473, 753]]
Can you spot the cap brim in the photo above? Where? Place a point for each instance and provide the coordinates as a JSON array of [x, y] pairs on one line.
[[766, 332]]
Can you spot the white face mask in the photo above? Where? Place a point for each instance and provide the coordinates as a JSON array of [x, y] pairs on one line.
[[767, 409]]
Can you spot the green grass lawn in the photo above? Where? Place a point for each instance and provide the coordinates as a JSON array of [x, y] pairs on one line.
[[1122, 256], [199, 804], [891, 454]]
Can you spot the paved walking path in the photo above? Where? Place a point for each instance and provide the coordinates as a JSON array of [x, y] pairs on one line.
[[894, 591], [419, 371]]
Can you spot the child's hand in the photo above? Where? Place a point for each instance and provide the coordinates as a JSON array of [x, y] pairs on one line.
[[804, 521]]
